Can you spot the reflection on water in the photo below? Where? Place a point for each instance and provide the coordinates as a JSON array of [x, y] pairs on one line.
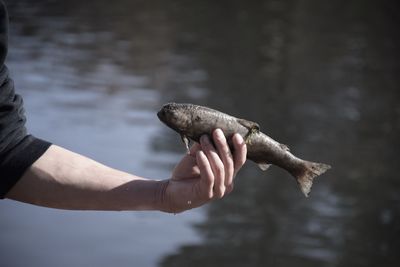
[[321, 77], [79, 95]]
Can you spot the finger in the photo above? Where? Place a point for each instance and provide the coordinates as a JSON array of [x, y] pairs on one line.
[[193, 150], [229, 188], [216, 164], [240, 148], [225, 155], [206, 176]]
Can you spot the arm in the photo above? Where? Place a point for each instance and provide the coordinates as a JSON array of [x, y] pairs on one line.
[[66, 180], [32, 171]]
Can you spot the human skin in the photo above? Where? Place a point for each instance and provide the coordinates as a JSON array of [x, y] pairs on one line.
[[66, 180]]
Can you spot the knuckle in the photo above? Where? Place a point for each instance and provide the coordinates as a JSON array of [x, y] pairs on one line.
[[209, 182], [219, 172], [229, 188], [219, 196], [243, 161], [229, 152], [218, 168], [220, 192], [229, 171], [207, 194], [230, 165], [205, 141], [226, 154], [221, 143], [240, 160], [229, 181]]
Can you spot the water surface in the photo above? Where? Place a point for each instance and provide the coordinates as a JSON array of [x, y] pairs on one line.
[[321, 77]]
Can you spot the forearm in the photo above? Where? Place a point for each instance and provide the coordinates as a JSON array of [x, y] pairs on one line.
[[66, 180]]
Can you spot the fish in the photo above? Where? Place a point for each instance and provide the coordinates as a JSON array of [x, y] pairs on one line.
[[192, 121]]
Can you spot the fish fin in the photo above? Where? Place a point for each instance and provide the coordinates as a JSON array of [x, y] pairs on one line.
[[253, 127], [250, 125], [309, 171], [186, 141], [284, 147], [264, 166]]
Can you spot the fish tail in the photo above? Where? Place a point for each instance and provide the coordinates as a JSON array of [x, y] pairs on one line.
[[307, 173]]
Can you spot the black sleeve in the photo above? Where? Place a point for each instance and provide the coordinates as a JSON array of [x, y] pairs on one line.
[[18, 150]]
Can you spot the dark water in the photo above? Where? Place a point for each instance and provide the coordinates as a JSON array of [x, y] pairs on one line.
[[322, 77]]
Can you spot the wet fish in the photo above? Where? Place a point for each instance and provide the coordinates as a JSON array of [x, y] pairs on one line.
[[193, 121]]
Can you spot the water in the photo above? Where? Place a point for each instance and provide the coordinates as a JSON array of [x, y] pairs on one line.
[[321, 77]]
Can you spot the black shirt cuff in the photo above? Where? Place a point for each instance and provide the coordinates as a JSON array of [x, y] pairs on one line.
[[14, 164]]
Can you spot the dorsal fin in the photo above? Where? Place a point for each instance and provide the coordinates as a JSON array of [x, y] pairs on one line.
[[284, 147]]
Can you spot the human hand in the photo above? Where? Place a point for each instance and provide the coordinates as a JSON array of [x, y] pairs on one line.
[[205, 173]]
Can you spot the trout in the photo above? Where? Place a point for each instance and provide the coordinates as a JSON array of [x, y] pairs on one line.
[[193, 121]]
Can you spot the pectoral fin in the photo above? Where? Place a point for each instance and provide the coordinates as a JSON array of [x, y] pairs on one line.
[[253, 127], [264, 166], [186, 141], [284, 147], [250, 125]]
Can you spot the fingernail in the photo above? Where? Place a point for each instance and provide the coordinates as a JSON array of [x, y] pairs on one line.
[[239, 139], [219, 133]]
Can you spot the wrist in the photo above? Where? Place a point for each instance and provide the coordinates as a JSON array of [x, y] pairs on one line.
[[161, 201]]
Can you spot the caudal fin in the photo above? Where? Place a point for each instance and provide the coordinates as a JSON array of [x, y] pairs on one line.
[[306, 175]]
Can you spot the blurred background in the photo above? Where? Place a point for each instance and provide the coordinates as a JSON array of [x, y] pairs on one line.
[[320, 76]]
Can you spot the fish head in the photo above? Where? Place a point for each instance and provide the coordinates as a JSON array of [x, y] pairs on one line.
[[175, 116]]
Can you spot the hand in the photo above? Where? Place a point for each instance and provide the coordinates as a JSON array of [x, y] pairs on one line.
[[205, 173]]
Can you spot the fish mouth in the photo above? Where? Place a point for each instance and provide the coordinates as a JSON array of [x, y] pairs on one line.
[[161, 114]]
